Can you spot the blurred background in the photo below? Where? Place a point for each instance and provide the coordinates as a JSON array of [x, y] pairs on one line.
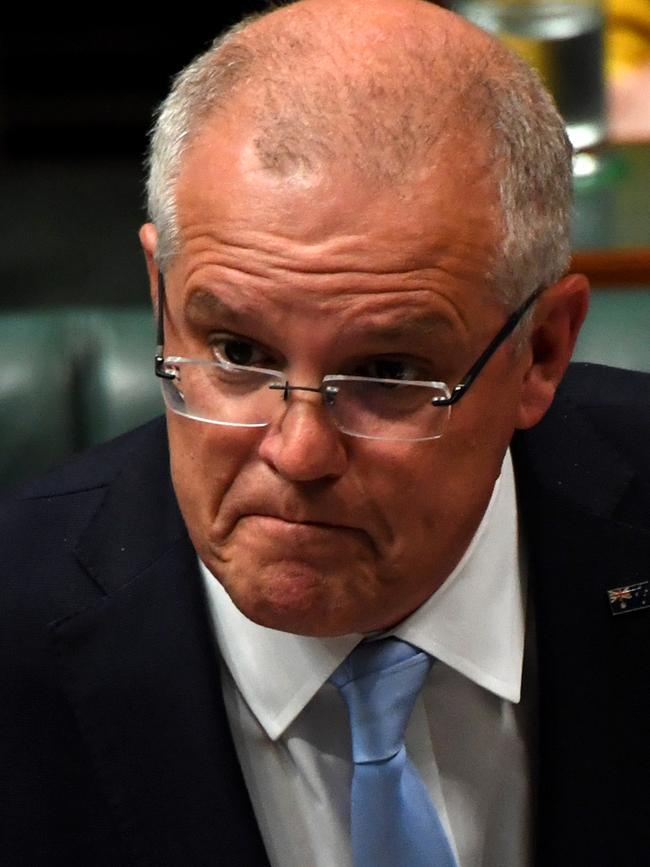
[[76, 100]]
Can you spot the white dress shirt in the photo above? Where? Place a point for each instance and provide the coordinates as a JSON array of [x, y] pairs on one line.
[[468, 734]]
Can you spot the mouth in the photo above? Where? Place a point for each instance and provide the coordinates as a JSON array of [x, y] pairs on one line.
[[265, 532], [280, 523], [262, 529], [290, 523]]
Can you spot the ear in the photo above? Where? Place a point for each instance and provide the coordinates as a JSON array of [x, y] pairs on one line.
[[149, 241], [558, 316]]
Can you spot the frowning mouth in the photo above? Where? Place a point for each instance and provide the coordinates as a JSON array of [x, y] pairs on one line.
[[259, 527], [256, 529], [276, 522]]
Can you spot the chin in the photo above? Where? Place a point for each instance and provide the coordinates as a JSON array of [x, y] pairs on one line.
[[296, 600]]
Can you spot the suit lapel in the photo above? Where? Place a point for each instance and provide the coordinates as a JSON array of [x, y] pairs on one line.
[[587, 688], [140, 669]]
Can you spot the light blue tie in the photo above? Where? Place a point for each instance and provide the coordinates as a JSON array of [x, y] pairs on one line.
[[393, 820]]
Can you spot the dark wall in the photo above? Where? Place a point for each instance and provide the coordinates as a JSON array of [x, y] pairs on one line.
[[76, 100]]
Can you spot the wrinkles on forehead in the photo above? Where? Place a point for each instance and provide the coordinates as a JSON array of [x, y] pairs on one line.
[[413, 322]]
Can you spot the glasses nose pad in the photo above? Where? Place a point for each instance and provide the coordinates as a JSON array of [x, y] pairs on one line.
[[329, 394]]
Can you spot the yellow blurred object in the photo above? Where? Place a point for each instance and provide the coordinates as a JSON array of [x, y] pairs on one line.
[[534, 51], [628, 35]]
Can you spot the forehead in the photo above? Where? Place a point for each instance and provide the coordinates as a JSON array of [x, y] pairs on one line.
[[222, 166], [331, 230]]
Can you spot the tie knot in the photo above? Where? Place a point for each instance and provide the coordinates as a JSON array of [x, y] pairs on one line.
[[379, 682]]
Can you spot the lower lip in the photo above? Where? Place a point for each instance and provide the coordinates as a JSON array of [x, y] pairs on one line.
[[294, 529]]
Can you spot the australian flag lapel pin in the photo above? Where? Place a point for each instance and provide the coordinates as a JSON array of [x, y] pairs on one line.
[[632, 597]]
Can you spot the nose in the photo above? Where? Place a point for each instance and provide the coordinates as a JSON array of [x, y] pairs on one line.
[[304, 445]]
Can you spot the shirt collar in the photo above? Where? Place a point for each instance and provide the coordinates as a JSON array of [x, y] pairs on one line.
[[475, 623], [277, 673]]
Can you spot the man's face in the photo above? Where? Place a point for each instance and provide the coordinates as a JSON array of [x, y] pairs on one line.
[[311, 530]]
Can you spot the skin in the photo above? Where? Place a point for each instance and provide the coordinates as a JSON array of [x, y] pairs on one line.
[[310, 530]]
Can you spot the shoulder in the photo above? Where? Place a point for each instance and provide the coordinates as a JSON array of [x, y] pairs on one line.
[[610, 402], [55, 505], [615, 401], [94, 468], [593, 442], [594, 385], [43, 520]]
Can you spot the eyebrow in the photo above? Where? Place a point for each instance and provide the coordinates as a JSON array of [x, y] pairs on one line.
[[203, 307], [413, 327]]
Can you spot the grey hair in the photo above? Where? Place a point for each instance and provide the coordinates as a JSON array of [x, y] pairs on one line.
[[196, 92], [497, 93], [533, 150]]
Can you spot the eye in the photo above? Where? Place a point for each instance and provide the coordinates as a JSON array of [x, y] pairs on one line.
[[389, 368], [232, 349]]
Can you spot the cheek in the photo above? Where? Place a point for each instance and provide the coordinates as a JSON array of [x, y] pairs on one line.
[[436, 496], [205, 460]]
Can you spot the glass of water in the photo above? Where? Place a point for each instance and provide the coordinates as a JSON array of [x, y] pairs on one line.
[[564, 40]]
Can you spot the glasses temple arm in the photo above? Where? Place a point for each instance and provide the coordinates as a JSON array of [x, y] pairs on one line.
[[160, 330], [159, 362], [509, 326]]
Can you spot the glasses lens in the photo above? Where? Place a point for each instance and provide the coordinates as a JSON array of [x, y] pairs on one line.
[[219, 394], [241, 397], [388, 409]]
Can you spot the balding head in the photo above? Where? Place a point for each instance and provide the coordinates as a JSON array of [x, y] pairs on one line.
[[371, 85], [393, 90]]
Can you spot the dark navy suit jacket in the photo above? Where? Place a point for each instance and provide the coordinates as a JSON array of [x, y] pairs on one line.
[[114, 742]]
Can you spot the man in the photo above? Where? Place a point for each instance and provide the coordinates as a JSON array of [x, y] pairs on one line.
[[357, 249]]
